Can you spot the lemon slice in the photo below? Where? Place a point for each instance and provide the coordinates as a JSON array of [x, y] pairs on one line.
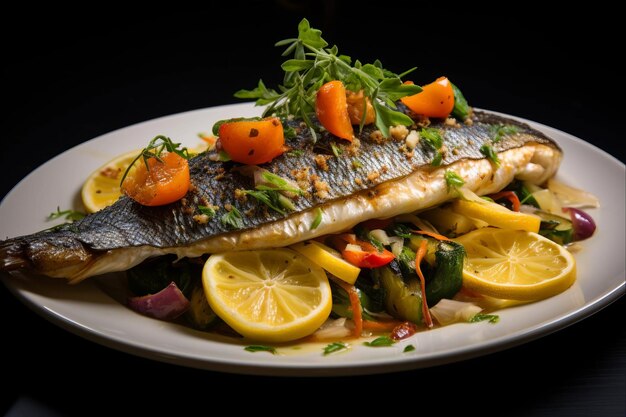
[[496, 215], [515, 264], [102, 187], [272, 295], [329, 259]]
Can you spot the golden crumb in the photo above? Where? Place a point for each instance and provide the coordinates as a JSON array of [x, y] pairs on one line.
[[228, 207], [358, 181], [384, 169], [353, 149], [372, 176], [468, 121], [320, 161], [240, 195], [377, 136], [399, 132], [201, 218], [321, 188], [451, 121]]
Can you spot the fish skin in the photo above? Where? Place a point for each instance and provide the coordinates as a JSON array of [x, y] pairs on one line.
[[132, 232]]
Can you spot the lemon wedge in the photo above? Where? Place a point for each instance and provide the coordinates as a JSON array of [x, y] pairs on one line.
[[274, 295], [515, 264], [329, 259], [102, 187], [496, 215]]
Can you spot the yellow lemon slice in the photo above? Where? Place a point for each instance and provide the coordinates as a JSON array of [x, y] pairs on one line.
[[102, 187], [515, 264], [329, 259], [274, 295], [496, 215]]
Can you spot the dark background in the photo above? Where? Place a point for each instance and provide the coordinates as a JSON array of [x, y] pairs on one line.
[[68, 79]]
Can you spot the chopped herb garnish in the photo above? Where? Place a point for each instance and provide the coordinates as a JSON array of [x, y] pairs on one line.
[[155, 149], [432, 136], [499, 131], [488, 151], [208, 211], [295, 153], [318, 219], [491, 318], [334, 347], [401, 230], [453, 180], [69, 215], [222, 156], [278, 184], [233, 219], [336, 150], [461, 109], [288, 131], [272, 199], [408, 348], [313, 64], [356, 164], [437, 159], [261, 348], [382, 341]]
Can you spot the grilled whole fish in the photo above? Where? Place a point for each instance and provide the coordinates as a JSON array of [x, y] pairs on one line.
[[373, 177]]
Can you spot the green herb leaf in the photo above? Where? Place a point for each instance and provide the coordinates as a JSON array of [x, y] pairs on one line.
[[318, 219], [356, 164], [268, 197], [232, 219], [223, 156], [261, 348], [336, 150], [279, 184], [401, 230], [461, 109], [491, 318], [209, 211], [453, 180], [432, 136], [437, 159], [289, 131], [488, 151], [70, 215], [334, 347], [499, 131], [296, 153], [382, 341], [408, 348], [313, 64]]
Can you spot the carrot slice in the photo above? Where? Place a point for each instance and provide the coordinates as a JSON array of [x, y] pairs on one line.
[[331, 108]]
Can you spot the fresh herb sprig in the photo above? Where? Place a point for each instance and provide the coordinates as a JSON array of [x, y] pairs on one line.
[[69, 215], [155, 149], [313, 64]]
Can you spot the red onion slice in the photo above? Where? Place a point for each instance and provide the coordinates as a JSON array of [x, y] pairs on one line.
[[583, 223], [167, 304]]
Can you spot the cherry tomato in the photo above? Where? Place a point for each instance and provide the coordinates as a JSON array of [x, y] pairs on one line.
[[331, 108], [253, 142], [164, 183], [356, 101], [435, 100]]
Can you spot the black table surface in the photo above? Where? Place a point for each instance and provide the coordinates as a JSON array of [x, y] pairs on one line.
[[72, 79]]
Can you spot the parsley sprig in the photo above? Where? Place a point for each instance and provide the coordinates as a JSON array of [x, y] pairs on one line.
[[313, 64], [155, 149]]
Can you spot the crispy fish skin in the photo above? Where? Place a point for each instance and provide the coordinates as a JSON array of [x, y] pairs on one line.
[[372, 178]]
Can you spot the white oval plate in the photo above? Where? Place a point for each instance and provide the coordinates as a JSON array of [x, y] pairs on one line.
[[87, 310]]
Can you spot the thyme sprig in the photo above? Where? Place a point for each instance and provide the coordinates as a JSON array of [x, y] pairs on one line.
[[155, 149], [313, 64]]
